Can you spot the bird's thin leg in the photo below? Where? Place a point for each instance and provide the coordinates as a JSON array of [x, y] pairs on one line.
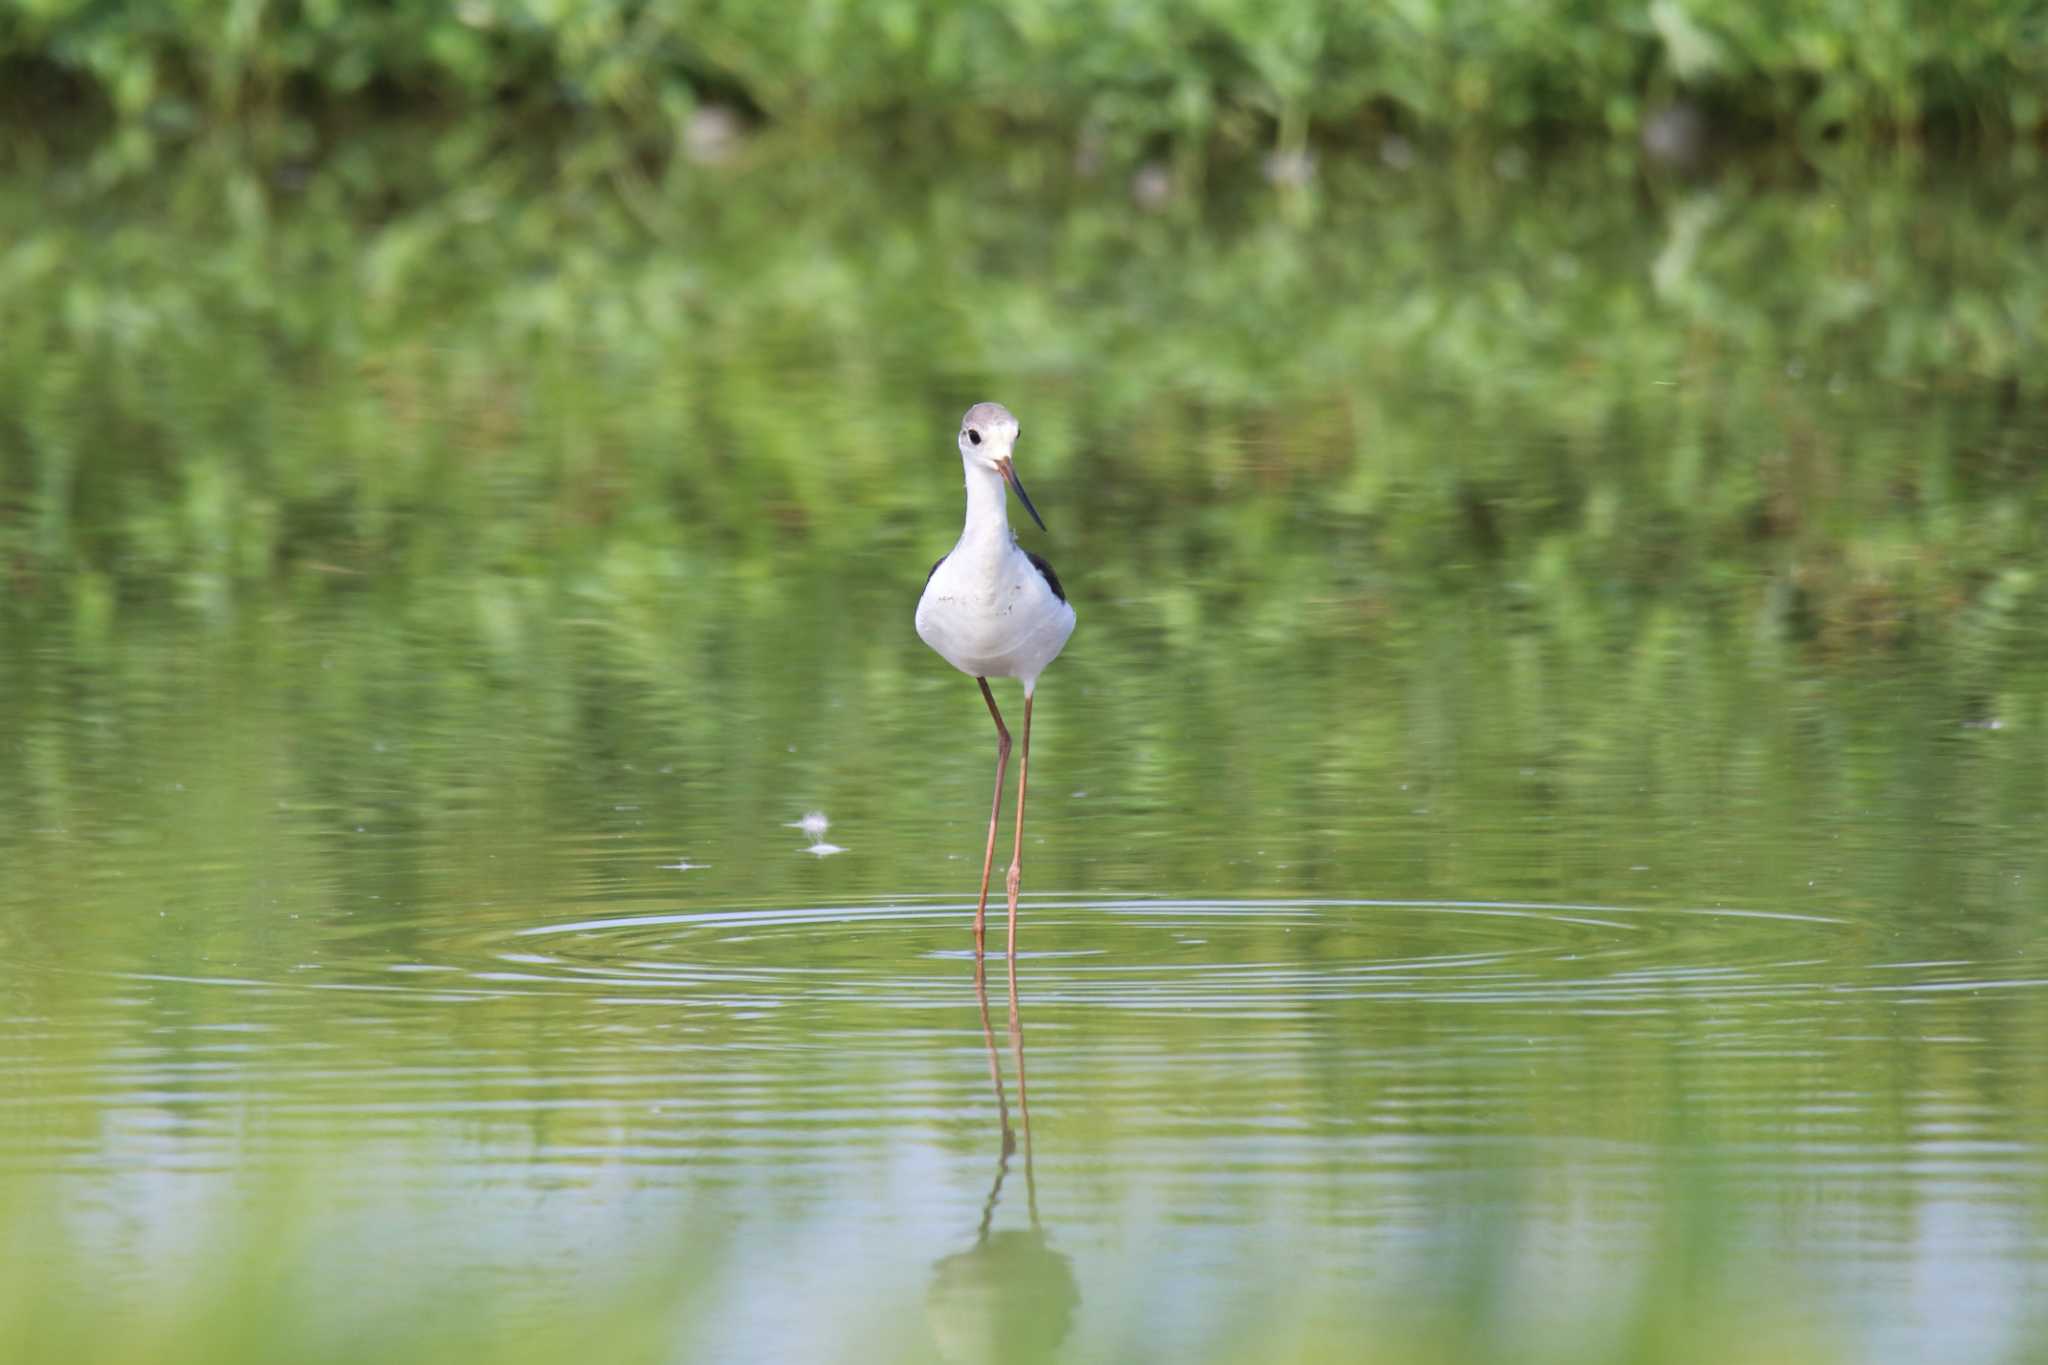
[[1017, 849], [995, 811]]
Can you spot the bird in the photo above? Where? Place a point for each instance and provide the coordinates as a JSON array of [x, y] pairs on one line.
[[993, 609]]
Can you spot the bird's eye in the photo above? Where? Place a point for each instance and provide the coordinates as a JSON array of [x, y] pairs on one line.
[[973, 436]]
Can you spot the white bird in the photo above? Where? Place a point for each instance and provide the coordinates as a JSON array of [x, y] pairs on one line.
[[995, 610]]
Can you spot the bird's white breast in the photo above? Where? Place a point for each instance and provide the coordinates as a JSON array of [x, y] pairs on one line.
[[991, 613]]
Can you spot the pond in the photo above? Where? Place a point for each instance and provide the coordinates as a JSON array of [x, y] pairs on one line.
[[1535, 843]]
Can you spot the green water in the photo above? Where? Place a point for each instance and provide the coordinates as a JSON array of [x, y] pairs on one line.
[[1535, 845]]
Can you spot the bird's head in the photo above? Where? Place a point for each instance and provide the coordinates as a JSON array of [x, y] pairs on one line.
[[988, 435]]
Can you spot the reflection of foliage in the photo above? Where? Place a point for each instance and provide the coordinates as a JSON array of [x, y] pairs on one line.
[[1813, 407], [1146, 67]]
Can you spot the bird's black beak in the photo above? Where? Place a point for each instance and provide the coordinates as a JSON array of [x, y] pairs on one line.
[[1010, 475]]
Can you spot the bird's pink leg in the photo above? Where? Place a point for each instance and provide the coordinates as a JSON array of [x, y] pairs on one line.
[[988, 855], [1017, 849]]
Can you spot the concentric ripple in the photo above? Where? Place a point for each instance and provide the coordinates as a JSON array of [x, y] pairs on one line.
[[1224, 956], [1182, 955]]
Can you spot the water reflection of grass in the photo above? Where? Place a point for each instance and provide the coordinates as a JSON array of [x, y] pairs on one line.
[[262, 1277], [1812, 408]]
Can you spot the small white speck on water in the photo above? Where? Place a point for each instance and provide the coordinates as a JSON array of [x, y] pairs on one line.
[[814, 823], [1080, 796], [682, 865], [822, 849]]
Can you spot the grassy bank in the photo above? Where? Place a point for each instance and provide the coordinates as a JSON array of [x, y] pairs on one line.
[[1251, 72]]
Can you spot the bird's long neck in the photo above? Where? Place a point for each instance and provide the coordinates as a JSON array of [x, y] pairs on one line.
[[988, 508]]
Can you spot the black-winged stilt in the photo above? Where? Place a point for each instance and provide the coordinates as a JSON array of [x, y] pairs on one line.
[[995, 610]]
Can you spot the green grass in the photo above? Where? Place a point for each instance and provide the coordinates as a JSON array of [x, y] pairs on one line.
[[1254, 73]]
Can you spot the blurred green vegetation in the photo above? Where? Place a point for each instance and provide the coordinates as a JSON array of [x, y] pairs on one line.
[[1260, 72], [1811, 400]]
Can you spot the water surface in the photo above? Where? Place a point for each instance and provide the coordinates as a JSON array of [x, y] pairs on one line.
[[1548, 866]]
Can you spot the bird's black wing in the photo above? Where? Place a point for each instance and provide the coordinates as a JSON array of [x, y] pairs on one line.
[[1052, 580]]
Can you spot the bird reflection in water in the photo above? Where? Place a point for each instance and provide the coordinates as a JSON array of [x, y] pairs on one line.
[[1010, 1296]]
